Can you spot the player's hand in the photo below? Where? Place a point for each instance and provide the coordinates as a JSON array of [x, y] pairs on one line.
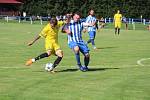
[[30, 43], [68, 31], [93, 24]]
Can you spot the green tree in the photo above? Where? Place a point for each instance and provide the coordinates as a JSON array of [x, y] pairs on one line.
[[105, 8]]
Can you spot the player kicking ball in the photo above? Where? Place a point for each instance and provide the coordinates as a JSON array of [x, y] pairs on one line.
[[50, 34]]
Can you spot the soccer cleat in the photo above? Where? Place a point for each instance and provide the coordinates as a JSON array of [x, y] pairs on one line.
[[95, 48], [86, 68], [82, 69], [29, 62]]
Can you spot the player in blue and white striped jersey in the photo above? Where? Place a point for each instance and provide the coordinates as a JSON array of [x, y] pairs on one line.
[[74, 30], [91, 29]]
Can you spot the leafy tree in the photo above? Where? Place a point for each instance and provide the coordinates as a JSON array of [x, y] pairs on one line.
[[105, 8]]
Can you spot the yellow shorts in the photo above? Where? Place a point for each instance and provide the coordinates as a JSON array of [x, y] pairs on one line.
[[53, 46], [117, 24]]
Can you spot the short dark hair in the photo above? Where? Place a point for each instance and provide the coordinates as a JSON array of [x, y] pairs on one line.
[[53, 21], [78, 13]]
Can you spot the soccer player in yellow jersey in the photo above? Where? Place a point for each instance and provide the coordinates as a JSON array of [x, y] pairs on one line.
[[117, 22], [50, 33]]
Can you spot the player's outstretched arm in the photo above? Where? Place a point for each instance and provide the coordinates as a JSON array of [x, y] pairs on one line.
[[89, 24], [33, 41]]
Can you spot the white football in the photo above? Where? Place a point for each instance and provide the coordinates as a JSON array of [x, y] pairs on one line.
[[49, 67]]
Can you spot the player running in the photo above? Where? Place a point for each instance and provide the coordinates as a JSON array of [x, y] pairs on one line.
[[91, 29], [50, 33]]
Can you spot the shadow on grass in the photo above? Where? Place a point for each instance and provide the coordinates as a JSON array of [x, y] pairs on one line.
[[68, 70], [76, 69], [100, 69], [105, 47], [90, 69]]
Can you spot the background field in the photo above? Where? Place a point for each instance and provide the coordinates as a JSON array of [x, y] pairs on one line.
[[114, 73]]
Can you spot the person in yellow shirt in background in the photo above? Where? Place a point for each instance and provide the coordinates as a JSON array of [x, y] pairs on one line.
[[50, 33], [117, 22]]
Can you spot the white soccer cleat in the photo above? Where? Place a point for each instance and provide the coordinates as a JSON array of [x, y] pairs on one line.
[[94, 48]]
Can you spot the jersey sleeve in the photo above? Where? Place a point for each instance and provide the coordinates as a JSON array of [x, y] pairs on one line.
[[87, 19], [60, 23], [95, 19], [43, 33]]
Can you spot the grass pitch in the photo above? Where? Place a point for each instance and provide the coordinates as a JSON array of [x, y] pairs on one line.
[[114, 72]]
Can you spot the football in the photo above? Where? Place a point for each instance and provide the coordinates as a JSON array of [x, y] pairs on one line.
[[49, 67]]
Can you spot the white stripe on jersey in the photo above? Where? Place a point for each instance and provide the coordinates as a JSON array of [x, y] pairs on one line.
[[91, 19], [76, 29]]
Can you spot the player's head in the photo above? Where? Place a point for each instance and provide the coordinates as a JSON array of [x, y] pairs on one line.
[[68, 18], [76, 16], [118, 11], [91, 12], [53, 22]]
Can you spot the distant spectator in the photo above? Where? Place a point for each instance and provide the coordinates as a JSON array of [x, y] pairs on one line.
[[102, 22], [124, 19]]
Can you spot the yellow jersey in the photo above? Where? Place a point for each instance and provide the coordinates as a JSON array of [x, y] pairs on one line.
[[51, 34], [118, 17]]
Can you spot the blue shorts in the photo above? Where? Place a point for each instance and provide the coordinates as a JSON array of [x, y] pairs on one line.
[[92, 34], [82, 46]]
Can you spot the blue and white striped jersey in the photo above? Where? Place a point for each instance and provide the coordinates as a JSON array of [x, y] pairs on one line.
[[91, 19], [76, 30]]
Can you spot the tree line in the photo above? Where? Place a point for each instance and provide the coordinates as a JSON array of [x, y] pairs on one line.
[[103, 8]]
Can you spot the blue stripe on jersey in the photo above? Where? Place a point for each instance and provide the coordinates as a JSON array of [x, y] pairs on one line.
[[91, 19], [70, 39], [76, 29]]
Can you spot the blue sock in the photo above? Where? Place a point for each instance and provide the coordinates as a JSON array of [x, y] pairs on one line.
[[92, 41], [78, 58]]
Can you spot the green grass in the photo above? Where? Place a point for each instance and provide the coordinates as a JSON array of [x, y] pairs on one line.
[[114, 74]]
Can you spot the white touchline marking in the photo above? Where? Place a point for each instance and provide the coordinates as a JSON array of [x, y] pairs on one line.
[[139, 62]]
